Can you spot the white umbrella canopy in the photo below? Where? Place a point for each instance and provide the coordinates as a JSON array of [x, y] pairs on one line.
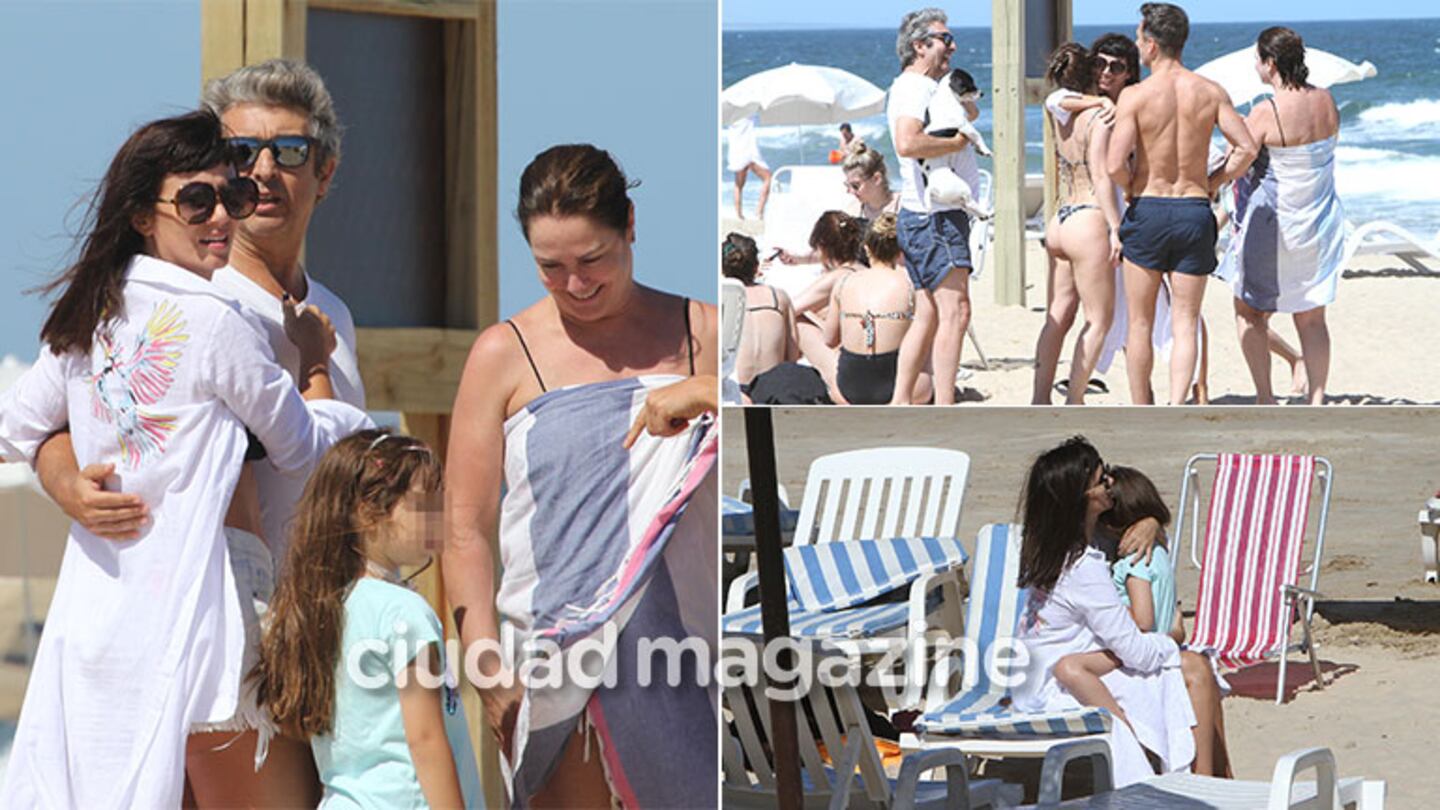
[[797, 95], [1236, 72]]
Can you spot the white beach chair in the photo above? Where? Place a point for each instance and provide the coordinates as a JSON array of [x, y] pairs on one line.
[[1186, 790], [1430, 538], [732, 328], [1254, 534], [835, 744], [1382, 238], [978, 718], [798, 196]]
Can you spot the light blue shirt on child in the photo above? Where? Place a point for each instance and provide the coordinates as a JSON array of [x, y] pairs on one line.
[[365, 761], [1162, 584]]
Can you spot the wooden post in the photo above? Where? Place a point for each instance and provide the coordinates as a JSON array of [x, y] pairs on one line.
[[1008, 49]]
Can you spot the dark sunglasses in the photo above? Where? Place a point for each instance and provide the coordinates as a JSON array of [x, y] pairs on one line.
[[944, 36], [195, 202], [1113, 66], [290, 151]]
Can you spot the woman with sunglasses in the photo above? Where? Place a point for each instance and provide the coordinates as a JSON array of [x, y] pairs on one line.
[[1162, 700], [155, 371]]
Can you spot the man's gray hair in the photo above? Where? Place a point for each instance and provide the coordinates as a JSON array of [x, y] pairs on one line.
[[281, 83], [913, 28]]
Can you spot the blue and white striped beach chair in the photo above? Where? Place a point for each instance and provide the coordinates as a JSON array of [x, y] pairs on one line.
[[978, 719], [829, 584]]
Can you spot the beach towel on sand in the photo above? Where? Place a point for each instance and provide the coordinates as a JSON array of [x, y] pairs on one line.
[[1289, 247], [593, 534]]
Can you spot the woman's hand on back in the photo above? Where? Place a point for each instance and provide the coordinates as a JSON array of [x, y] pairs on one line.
[[1139, 539]]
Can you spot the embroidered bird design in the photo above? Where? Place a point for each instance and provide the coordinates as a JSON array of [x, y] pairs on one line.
[[126, 384]]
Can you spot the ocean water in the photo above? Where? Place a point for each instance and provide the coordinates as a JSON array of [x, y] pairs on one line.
[[1389, 156]]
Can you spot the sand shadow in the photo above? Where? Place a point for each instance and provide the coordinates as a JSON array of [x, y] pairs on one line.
[[1392, 272], [1258, 682], [1399, 614]]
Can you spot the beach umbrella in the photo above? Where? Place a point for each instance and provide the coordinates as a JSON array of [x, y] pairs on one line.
[[774, 613], [797, 95], [1236, 72]]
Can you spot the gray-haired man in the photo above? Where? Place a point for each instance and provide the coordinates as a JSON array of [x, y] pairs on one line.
[[936, 242]]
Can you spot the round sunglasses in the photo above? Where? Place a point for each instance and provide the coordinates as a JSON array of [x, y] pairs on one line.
[[195, 202], [289, 151]]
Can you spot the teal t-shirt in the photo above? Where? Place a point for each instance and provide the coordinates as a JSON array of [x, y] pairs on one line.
[[365, 761], [1162, 584]]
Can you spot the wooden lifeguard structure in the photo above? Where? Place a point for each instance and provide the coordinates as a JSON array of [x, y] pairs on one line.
[[408, 235], [1023, 34]]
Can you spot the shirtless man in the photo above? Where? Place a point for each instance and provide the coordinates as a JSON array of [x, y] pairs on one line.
[[1166, 121]]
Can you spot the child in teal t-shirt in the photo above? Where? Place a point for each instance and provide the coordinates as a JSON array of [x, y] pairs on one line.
[[352, 659], [1147, 588]]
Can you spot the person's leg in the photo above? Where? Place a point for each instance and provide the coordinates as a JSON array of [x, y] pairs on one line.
[[1254, 327], [820, 354], [1189, 293], [1205, 698], [1062, 301], [578, 780], [1141, 288], [1080, 675], [739, 193], [764, 175], [914, 351], [220, 767], [952, 307], [288, 777], [1281, 348], [1095, 283], [1315, 348], [1202, 374]]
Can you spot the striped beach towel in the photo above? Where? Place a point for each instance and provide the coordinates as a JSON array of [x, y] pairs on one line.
[[593, 536], [1253, 538]]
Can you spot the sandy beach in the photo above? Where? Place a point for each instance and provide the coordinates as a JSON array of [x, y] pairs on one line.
[[1382, 333], [1378, 626]]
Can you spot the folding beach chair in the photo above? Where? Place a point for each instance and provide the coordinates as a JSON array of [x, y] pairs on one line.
[[979, 719], [878, 494], [1430, 538], [1254, 533], [840, 764], [1382, 238], [1178, 790]]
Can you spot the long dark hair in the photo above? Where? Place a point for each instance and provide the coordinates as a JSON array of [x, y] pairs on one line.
[[1135, 498], [837, 236], [356, 485], [1286, 50], [1053, 512], [92, 287], [575, 180], [1071, 67]]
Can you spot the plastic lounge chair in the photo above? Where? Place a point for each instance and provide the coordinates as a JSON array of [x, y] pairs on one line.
[[1185, 790], [732, 326], [978, 719], [1382, 238], [830, 720], [798, 196], [1254, 534], [880, 493], [1430, 538], [980, 238]]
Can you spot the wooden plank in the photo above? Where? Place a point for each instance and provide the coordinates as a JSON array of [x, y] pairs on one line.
[[412, 370], [461, 178], [433, 9], [434, 430], [264, 30], [1008, 49], [222, 38], [487, 169]]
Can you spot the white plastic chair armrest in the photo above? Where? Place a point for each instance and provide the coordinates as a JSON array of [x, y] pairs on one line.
[[957, 780], [1059, 757], [845, 772], [743, 584], [1282, 783]]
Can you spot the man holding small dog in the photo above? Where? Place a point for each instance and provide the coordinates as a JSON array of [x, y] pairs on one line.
[[935, 238]]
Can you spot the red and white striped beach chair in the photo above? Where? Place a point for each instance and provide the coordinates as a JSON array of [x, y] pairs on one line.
[[1254, 533]]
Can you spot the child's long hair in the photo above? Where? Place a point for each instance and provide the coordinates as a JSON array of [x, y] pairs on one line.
[[1135, 498], [355, 487]]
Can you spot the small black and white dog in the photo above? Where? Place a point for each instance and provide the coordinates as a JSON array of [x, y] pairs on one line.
[[945, 118]]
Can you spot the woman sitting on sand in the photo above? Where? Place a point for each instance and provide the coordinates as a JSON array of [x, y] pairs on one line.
[[768, 338], [836, 240], [1287, 253], [1082, 241], [871, 312], [1166, 701]]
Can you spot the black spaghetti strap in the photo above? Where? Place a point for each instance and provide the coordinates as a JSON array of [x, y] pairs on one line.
[[526, 349], [690, 341], [1278, 126]]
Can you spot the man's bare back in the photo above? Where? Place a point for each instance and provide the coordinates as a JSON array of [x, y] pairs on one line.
[[1167, 120]]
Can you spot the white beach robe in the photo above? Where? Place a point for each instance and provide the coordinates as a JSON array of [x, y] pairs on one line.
[[1083, 613], [144, 638], [280, 491]]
